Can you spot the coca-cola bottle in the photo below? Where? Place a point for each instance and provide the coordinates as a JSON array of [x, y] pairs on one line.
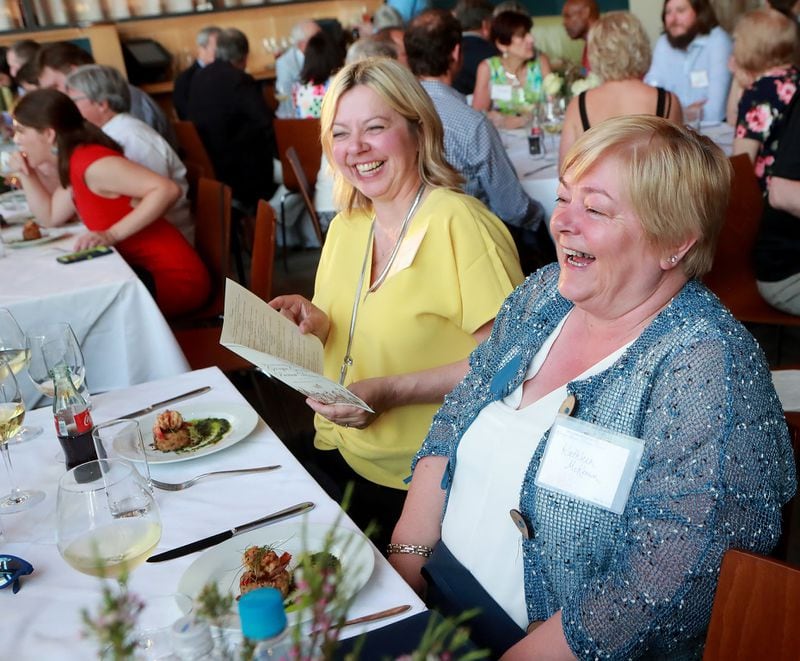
[[73, 420]]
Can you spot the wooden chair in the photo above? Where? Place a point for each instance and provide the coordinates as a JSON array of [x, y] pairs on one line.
[[306, 191], [212, 240], [756, 611], [191, 148], [201, 344], [303, 135], [732, 276]]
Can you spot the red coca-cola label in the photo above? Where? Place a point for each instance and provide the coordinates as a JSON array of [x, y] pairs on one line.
[[83, 421]]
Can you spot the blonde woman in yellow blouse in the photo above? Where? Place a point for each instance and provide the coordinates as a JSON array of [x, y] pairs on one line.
[[411, 277]]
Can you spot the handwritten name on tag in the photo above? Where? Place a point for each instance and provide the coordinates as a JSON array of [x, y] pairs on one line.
[[501, 92], [589, 463]]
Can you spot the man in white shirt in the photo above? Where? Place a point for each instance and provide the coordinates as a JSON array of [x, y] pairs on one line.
[[289, 65], [102, 95]]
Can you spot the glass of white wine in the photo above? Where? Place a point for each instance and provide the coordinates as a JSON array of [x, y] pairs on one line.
[[52, 344], [12, 412], [107, 520], [15, 355]]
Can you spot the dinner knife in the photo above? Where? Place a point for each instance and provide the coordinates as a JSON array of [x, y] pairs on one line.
[[165, 402], [220, 537]]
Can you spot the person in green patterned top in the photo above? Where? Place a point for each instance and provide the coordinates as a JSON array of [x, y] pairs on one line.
[[508, 87]]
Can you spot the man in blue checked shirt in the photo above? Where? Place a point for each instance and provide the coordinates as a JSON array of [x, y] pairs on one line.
[[472, 144]]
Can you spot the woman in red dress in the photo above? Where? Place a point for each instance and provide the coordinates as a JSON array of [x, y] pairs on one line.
[[120, 202]]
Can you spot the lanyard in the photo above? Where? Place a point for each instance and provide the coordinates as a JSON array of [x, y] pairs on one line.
[[347, 361]]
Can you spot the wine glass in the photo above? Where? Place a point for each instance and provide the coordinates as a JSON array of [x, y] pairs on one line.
[[52, 344], [15, 353], [12, 412], [107, 520]]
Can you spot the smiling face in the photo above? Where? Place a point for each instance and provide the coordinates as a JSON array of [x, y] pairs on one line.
[[36, 145], [608, 267], [679, 18], [373, 146]]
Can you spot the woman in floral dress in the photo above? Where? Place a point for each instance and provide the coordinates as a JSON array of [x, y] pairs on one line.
[[765, 43]]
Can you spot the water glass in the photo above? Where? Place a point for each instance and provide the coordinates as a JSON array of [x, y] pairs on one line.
[[122, 439], [107, 520], [52, 344]]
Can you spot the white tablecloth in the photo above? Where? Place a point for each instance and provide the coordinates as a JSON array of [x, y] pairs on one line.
[[42, 621], [539, 174], [124, 337]]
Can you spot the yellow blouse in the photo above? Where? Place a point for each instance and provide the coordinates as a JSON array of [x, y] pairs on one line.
[[455, 267]]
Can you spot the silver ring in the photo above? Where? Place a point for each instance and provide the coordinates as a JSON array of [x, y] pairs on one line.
[[347, 424]]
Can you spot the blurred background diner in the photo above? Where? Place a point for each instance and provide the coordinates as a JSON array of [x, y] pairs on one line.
[[509, 85], [120, 202], [763, 63], [619, 54], [690, 59]]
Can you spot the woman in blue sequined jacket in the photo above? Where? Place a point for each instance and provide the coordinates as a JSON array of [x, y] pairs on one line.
[[621, 335]]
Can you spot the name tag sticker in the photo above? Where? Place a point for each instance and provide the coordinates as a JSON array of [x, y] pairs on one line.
[[590, 463], [501, 92], [699, 78]]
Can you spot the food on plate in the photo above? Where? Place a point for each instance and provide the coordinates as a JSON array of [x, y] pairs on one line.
[[322, 560], [171, 433], [264, 568], [31, 231]]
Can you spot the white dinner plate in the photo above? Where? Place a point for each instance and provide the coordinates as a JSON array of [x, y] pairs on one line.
[[243, 420], [13, 237], [222, 564]]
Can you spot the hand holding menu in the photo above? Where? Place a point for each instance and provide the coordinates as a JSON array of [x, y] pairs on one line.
[[274, 344]]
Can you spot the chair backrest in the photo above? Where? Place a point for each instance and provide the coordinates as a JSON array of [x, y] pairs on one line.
[[733, 260], [756, 612], [305, 191], [191, 147], [733, 276], [212, 235], [303, 135], [263, 257]]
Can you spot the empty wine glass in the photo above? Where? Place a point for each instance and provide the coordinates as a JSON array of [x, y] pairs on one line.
[[107, 520], [50, 345], [15, 353], [12, 412]]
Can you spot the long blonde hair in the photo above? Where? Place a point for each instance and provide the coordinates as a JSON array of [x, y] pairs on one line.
[[397, 87]]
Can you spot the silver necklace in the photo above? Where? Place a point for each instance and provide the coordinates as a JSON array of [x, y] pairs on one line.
[[347, 361]]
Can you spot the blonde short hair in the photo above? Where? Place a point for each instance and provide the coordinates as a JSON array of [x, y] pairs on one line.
[[618, 47], [764, 38], [398, 88], [678, 181]]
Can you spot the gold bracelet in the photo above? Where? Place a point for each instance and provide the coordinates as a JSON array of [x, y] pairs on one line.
[[414, 549]]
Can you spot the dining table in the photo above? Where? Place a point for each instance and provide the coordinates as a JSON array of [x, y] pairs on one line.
[[539, 174], [123, 335], [43, 620]]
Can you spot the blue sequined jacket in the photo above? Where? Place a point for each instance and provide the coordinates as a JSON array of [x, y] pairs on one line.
[[716, 469]]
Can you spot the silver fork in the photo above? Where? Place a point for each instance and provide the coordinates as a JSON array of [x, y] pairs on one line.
[[180, 486]]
